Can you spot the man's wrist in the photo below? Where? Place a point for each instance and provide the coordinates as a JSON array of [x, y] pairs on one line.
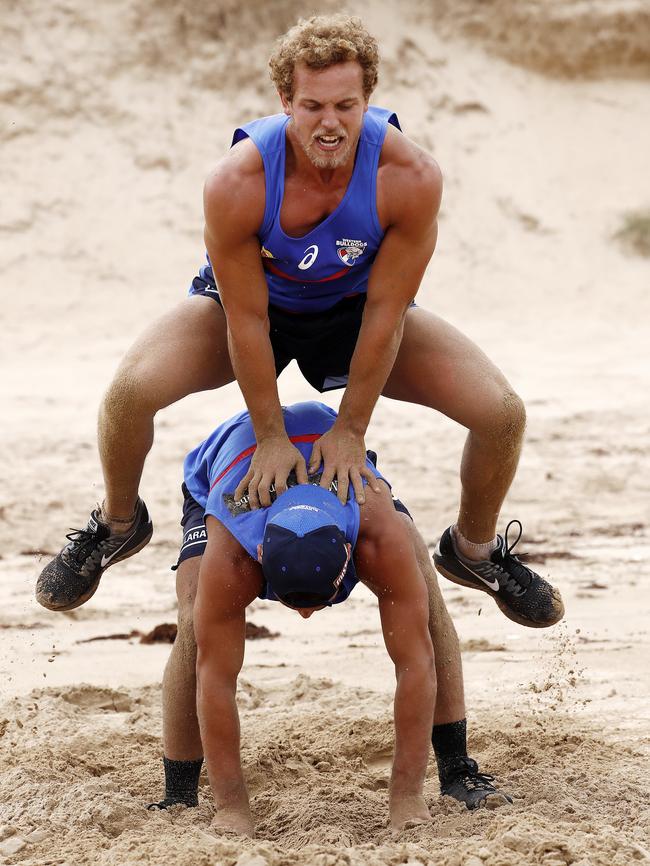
[[268, 423], [352, 425], [271, 434]]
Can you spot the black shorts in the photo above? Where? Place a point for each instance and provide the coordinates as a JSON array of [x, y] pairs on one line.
[[322, 344], [195, 536]]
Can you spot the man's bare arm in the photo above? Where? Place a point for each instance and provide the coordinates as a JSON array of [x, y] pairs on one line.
[[412, 192], [234, 199], [220, 627], [385, 557]]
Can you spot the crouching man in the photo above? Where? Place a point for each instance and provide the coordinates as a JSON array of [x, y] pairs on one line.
[[307, 551]]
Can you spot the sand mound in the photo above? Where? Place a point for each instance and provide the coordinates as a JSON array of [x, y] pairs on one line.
[[81, 763], [571, 38], [58, 61]]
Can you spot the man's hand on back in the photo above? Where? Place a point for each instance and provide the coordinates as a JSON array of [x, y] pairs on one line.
[[272, 462], [343, 454]]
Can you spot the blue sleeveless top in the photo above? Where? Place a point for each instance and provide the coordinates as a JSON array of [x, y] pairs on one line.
[[215, 467], [333, 260]]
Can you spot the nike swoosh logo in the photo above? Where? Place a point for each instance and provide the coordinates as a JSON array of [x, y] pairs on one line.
[[493, 584], [107, 559]]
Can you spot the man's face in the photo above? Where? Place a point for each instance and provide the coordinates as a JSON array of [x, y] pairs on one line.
[[327, 111]]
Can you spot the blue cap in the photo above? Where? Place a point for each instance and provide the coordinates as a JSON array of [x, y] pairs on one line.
[[304, 550]]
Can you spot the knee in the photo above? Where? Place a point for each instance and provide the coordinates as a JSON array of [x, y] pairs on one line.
[[128, 393], [514, 412], [507, 421]]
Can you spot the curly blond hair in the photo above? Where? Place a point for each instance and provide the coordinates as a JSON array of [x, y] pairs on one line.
[[322, 41]]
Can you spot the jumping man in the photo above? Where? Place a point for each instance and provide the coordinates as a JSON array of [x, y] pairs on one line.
[[319, 224]]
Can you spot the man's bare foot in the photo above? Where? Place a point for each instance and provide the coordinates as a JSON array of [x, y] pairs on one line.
[[231, 819], [407, 810]]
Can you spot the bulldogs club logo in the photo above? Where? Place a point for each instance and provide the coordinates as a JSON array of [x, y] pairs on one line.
[[349, 250]]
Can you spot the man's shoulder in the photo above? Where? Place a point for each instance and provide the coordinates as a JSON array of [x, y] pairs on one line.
[[378, 515], [407, 173], [401, 158], [236, 186], [241, 165]]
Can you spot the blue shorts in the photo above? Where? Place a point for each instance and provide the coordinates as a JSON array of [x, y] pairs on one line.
[[322, 344], [195, 536]]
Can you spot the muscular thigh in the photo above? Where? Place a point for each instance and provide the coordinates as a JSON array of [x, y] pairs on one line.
[[439, 367], [182, 352]]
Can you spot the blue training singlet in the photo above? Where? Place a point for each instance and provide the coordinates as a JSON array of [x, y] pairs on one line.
[[312, 273], [215, 467]]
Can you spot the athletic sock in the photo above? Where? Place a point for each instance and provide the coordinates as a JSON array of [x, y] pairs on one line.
[[470, 550], [182, 781], [118, 525], [449, 742]]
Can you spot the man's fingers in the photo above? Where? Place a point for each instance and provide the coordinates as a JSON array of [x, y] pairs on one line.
[[243, 485], [315, 459], [253, 497], [371, 478], [263, 491], [280, 484], [343, 485], [357, 484], [301, 470], [326, 478]]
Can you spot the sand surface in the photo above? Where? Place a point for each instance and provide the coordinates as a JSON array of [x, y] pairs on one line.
[[538, 113]]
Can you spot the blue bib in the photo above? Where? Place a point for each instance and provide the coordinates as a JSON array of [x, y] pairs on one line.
[[214, 469], [332, 261]]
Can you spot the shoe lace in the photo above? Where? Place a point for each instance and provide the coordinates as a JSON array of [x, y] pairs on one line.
[[513, 575], [81, 544], [467, 773]]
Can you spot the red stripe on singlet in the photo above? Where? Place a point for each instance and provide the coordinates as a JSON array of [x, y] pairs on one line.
[[275, 270], [307, 437]]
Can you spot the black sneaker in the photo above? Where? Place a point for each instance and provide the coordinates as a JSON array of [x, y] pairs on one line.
[[72, 577], [462, 781], [522, 595], [188, 800]]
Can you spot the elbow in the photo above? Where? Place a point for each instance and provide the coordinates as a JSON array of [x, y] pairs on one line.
[[387, 318], [248, 325]]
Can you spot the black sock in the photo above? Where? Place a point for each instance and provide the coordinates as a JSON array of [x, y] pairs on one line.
[[449, 743], [182, 781]]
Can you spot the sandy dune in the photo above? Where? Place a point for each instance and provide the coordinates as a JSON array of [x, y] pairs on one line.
[[110, 120]]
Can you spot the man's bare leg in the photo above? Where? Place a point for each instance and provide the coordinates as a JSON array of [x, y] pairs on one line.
[[439, 367], [182, 749], [459, 775], [184, 351], [450, 697], [181, 735]]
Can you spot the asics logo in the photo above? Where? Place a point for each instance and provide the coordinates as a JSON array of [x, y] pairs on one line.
[[310, 256]]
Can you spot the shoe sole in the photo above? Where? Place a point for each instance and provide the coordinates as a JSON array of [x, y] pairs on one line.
[[93, 588], [494, 801], [503, 607]]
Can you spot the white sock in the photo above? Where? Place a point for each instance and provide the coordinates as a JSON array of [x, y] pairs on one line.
[[470, 550]]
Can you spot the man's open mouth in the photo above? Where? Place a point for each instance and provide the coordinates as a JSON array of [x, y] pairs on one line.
[[329, 142]]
